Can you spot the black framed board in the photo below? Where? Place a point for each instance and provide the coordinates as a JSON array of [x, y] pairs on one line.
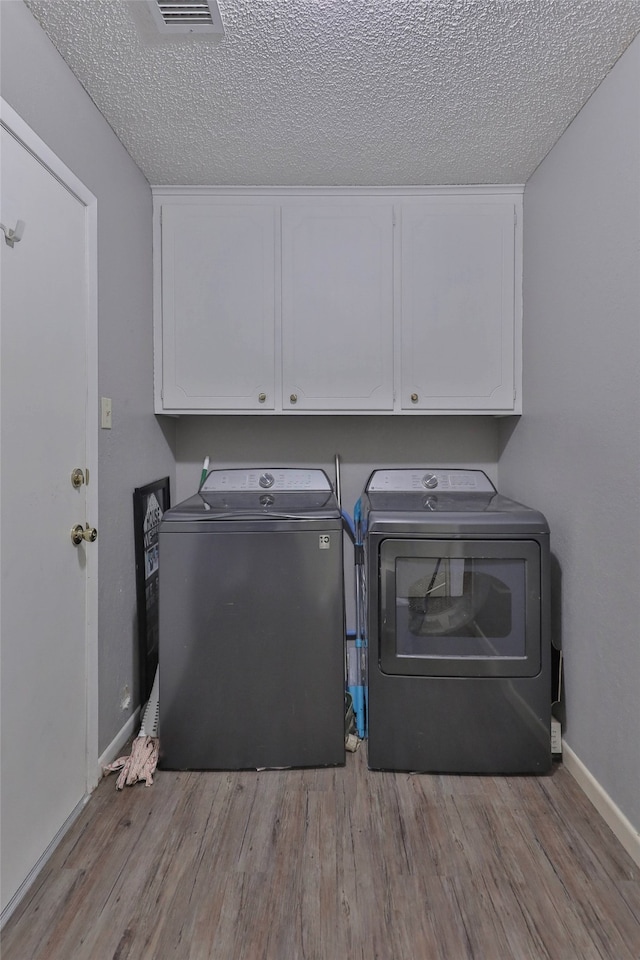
[[149, 504]]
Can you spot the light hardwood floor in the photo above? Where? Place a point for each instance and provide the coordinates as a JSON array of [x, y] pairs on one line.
[[338, 864]]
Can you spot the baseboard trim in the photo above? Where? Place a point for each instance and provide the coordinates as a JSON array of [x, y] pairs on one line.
[[608, 810], [118, 742], [32, 876]]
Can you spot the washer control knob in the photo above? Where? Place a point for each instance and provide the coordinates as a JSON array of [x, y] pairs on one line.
[[430, 481], [266, 480]]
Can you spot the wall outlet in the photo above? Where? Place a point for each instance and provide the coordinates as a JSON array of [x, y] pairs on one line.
[[556, 737], [125, 698]]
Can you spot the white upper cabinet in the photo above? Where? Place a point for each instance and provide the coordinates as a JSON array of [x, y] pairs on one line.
[[218, 306], [457, 304], [320, 300], [337, 306]]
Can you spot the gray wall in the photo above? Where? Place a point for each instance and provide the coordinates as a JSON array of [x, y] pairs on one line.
[[40, 87], [575, 454], [363, 443]]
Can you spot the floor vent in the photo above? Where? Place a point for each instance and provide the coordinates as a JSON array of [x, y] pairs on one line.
[[187, 16]]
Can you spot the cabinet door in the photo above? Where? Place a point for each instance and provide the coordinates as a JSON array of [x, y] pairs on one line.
[[457, 302], [218, 306], [337, 306]]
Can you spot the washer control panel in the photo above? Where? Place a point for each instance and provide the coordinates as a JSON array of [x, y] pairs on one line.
[[271, 478], [425, 479]]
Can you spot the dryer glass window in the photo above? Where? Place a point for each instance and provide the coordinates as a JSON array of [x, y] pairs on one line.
[[459, 607]]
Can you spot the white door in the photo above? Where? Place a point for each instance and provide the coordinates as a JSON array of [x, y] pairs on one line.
[[48, 748]]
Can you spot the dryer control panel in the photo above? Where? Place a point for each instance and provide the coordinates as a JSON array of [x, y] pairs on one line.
[[426, 479]]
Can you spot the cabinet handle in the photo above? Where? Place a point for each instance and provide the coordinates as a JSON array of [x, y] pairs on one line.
[[262, 397], [414, 398], [294, 398]]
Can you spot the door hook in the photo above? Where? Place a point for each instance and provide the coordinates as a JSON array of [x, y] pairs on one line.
[[12, 236]]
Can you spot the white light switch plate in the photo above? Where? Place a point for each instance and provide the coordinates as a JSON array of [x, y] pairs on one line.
[[105, 408]]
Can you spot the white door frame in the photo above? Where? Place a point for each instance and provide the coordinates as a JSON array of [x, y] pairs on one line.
[[17, 127]]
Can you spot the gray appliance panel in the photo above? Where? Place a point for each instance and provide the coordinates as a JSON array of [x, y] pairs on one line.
[[508, 519], [454, 481], [468, 725], [254, 506], [241, 523], [251, 646], [266, 478]]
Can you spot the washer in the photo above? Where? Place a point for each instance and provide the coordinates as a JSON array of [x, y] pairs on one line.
[[252, 623], [457, 580]]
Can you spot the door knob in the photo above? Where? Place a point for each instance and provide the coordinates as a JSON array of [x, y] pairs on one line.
[[80, 533]]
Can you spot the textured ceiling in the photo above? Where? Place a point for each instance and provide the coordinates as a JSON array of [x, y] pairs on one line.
[[343, 92]]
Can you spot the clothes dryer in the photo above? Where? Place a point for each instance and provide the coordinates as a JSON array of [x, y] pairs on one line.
[[252, 624], [457, 580]]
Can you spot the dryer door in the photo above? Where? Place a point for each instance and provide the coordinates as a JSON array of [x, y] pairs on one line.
[[460, 608]]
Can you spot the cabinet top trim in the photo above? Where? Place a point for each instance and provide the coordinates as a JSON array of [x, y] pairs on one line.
[[501, 189]]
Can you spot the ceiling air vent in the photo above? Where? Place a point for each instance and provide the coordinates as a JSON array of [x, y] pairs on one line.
[[186, 16]]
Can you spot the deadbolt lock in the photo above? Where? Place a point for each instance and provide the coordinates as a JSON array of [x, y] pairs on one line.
[[77, 478], [80, 533]]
